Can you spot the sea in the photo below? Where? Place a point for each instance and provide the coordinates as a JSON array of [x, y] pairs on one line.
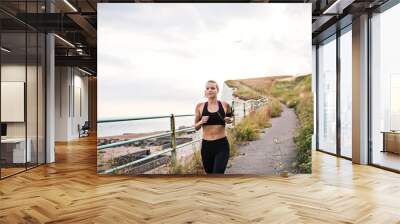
[[161, 124], [141, 126]]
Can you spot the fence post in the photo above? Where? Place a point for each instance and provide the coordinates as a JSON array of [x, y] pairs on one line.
[[233, 112], [173, 137], [244, 109]]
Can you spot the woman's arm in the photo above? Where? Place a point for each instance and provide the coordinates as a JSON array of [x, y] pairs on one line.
[[228, 110], [228, 119], [197, 120]]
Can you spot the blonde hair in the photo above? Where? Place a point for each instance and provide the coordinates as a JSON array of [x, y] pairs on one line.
[[213, 81]]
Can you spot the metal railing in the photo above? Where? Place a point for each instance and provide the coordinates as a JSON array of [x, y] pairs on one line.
[[254, 104], [172, 133], [251, 105]]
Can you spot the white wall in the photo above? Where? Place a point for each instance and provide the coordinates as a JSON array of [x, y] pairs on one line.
[[80, 117], [62, 82], [70, 83], [12, 73], [33, 126]]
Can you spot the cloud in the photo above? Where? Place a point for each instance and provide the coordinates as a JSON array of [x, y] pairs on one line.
[[149, 52]]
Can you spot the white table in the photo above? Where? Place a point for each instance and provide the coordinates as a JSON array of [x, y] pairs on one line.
[[18, 150]]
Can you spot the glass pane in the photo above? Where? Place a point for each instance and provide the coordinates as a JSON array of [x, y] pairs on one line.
[[41, 98], [327, 96], [13, 86], [346, 94], [31, 99], [386, 89]]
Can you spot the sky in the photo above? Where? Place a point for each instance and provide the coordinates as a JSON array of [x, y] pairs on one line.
[[154, 59]]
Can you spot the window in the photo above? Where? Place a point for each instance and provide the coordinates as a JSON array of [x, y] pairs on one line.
[[327, 95], [346, 92], [385, 89], [23, 79]]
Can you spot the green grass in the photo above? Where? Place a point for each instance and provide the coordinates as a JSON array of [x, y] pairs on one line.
[[233, 148], [296, 93], [248, 129], [194, 166], [276, 108]]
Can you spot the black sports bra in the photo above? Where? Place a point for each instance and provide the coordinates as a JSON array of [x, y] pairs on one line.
[[215, 118]]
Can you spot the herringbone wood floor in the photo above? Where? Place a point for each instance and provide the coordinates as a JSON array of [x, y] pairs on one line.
[[70, 191]]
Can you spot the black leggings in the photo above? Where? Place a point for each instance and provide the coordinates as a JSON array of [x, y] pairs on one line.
[[215, 155]]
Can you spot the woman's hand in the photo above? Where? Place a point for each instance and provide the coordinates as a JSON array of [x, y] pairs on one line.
[[204, 119], [228, 120], [200, 123]]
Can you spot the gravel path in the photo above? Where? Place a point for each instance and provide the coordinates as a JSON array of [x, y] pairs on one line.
[[264, 156]]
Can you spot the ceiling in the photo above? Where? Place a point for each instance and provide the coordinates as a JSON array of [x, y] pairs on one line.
[[75, 21]]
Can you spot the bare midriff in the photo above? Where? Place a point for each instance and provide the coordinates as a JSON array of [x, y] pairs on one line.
[[213, 132]]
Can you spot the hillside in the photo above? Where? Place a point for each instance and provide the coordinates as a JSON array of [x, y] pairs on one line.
[[293, 91], [253, 88]]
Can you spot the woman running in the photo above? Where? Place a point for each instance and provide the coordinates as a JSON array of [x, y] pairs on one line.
[[212, 117]]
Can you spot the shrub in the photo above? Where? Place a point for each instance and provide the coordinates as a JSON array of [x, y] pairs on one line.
[[175, 167], [291, 104], [249, 128], [193, 166], [296, 93], [276, 108], [233, 149], [303, 140], [260, 117], [246, 131], [196, 165]]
